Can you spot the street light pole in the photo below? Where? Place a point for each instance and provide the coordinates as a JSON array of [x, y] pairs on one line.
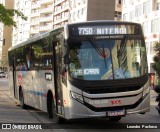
[[1, 55]]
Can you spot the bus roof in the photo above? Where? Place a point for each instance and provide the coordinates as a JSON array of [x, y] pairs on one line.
[[33, 39], [41, 36]]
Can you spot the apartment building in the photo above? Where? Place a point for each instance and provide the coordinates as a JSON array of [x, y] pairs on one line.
[[69, 11], [41, 16], [1, 36], [61, 12], [44, 15], [22, 31], [40, 19], [146, 12], [5, 37], [118, 10]]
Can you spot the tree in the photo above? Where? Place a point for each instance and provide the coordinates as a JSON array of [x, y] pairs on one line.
[[6, 16], [156, 59]]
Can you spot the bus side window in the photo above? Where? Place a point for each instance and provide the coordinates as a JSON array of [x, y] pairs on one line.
[[28, 58], [19, 59]]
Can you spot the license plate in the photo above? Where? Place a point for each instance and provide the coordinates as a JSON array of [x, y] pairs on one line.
[[116, 113]]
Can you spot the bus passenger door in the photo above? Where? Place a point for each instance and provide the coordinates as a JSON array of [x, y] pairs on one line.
[[57, 76], [11, 73], [14, 79]]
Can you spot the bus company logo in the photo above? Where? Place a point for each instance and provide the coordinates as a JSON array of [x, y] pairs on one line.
[[6, 126], [115, 102]]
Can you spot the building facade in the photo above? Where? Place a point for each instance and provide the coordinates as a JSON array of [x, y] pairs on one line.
[[70, 11], [5, 37], [22, 31], [1, 36], [147, 13], [41, 16], [44, 15]]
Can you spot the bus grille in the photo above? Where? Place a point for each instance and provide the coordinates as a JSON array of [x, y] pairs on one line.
[[111, 89]]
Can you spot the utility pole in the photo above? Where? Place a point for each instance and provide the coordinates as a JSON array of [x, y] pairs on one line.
[[1, 60]]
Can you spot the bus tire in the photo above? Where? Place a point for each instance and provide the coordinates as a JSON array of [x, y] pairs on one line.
[[52, 112], [115, 119], [21, 97]]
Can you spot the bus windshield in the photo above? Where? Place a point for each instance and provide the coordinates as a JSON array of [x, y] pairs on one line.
[[105, 59]]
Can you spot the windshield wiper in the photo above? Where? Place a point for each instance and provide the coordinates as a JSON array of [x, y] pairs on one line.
[[122, 45], [99, 51], [104, 56]]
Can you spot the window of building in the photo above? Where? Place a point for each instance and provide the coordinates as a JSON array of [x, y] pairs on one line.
[[83, 1], [147, 47], [118, 14], [119, 2], [78, 13], [27, 3], [155, 25], [125, 17], [85, 9], [82, 11], [158, 5], [145, 28], [124, 2], [73, 15], [131, 15], [138, 10], [146, 7]]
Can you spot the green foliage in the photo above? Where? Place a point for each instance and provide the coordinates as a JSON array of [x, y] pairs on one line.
[[156, 59], [37, 51], [6, 16]]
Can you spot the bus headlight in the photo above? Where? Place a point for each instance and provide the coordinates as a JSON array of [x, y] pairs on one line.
[[77, 97], [145, 92]]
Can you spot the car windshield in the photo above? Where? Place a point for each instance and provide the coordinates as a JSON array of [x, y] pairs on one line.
[[105, 59]]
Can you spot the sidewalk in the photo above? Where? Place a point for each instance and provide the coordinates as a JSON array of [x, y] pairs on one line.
[[5, 96], [10, 112]]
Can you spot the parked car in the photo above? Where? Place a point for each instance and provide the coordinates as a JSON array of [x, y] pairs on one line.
[[2, 75]]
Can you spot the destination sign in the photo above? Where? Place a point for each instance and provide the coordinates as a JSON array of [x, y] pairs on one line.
[[105, 30], [101, 30]]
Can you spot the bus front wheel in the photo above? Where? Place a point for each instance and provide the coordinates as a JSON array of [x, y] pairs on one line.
[[52, 112], [22, 100]]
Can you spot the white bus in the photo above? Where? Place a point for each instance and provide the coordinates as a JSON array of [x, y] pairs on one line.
[[83, 70]]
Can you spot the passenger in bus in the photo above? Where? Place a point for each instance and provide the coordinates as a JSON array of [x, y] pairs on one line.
[[23, 67], [19, 67], [28, 61]]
